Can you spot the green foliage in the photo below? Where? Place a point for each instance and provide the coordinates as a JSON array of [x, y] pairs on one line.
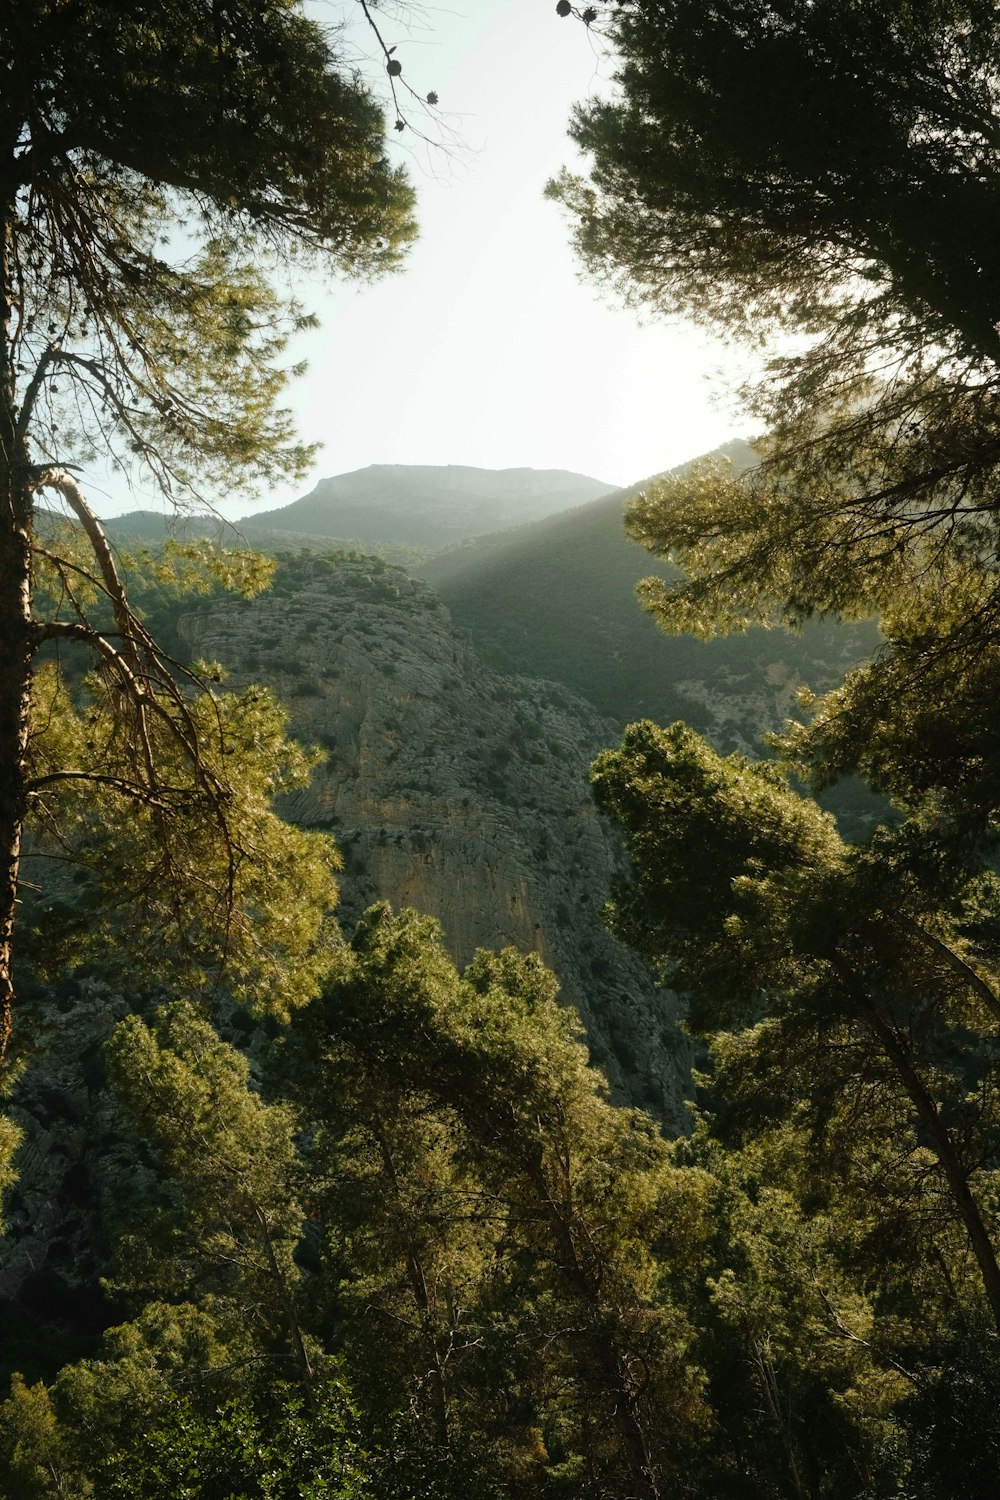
[[803, 1364], [452, 1216], [189, 874], [169, 1354], [10, 1139], [280, 1449], [530, 1292], [164, 163], [828, 172], [34, 1462], [722, 849], [955, 1443], [278, 151], [493, 1190], [918, 721], [195, 567], [173, 1408], [832, 137], [852, 1010], [229, 1222], [719, 184]]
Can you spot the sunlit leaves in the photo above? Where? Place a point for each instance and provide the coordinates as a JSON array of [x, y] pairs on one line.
[[162, 173], [197, 872]]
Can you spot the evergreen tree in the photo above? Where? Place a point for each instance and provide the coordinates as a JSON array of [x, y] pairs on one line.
[[826, 172], [158, 162], [237, 902], [830, 964], [823, 179], [853, 1034], [527, 1217], [230, 1220]]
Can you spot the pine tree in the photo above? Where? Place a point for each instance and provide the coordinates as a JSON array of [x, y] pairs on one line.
[[527, 1217], [822, 180], [158, 162]]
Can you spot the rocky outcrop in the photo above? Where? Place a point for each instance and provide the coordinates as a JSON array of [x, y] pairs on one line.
[[453, 788], [450, 787]]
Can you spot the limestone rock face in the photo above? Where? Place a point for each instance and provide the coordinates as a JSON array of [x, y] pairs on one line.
[[452, 788]]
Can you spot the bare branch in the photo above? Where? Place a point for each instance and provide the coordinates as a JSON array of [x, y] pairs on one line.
[[974, 980], [134, 789], [61, 480], [32, 390]]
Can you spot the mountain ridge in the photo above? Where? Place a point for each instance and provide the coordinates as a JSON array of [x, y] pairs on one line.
[[400, 511], [427, 504]]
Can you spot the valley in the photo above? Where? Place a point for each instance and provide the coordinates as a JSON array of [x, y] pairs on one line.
[[459, 704], [452, 788]]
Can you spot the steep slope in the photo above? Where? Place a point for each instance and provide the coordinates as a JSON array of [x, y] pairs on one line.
[[556, 599], [426, 506], [452, 788]]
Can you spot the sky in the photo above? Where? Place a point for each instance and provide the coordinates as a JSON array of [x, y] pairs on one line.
[[487, 348]]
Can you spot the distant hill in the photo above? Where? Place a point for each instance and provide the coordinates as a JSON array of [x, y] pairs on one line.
[[426, 506], [557, 600], [147, 528], [401, 512]]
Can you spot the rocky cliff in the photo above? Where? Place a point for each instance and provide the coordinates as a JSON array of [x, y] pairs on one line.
[[452, 788]]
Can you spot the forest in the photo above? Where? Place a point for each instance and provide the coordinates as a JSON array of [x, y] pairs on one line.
[[296, 1206]]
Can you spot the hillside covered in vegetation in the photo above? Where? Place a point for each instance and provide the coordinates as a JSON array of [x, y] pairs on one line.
[[447, 1049]]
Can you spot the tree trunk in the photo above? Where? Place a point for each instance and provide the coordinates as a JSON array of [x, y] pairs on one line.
[[418, 1286], [956, 1174], [16, 639], [944, 1149], [15, 690], [288, 1308], [608, 1357]]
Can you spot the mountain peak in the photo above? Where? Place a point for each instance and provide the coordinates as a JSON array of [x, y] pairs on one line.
[[428, 505]]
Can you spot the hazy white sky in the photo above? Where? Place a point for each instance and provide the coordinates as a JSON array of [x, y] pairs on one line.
[[487, 349]]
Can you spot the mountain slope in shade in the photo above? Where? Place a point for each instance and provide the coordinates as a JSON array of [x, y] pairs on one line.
[[426, 505], [557, 600]]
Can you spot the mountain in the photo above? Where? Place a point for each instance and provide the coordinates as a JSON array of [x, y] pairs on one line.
[[556, 599], [453, 788], [401, 512], [426, 506], [149, 528], [453, 784]]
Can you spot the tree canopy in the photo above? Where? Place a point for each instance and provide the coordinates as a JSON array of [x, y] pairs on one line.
[[399, 1241], [158, 164], [156, 157], [822, 179], [826, 173]]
